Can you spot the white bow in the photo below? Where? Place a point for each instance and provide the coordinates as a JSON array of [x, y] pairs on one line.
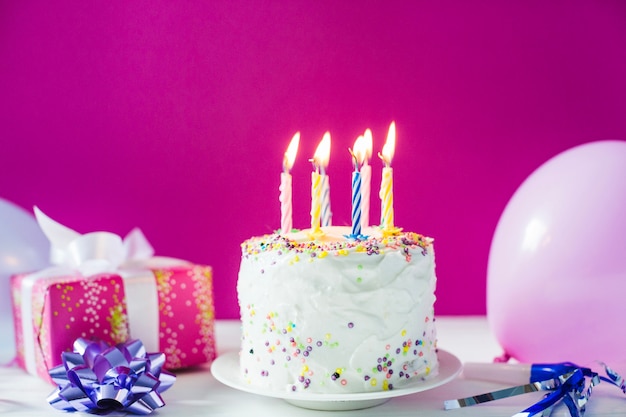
[[94, 252]]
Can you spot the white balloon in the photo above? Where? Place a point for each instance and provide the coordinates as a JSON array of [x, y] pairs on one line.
[[23, 248]]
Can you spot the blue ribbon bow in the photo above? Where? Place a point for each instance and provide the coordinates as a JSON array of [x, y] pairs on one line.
[[99, 378], [567, 383]]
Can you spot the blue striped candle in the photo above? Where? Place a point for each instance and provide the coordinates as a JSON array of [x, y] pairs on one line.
[[356, 203], [358, 156]]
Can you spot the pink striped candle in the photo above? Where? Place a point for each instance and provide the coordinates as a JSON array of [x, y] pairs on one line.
[[286, 209], [327, 214]]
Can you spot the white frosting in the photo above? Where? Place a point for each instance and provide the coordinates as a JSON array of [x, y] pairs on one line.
[[337, 315]]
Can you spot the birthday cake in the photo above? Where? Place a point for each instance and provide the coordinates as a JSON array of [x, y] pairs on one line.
[[335, 314]]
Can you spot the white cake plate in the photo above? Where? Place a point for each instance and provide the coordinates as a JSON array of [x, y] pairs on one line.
[[226, 370]]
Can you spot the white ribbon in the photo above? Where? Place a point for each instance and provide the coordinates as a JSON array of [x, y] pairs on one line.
[[94, 253]]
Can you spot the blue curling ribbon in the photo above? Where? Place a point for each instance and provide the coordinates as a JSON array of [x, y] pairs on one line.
[[571, 389], [542, 371], [567, 382], [614, 378], [98, 378]]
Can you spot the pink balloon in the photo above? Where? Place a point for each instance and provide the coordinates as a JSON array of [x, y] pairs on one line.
[[556, 288]]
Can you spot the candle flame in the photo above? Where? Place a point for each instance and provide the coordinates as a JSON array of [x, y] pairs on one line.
[[367, 139], [359, 151], [390, 145], [322, 153], [290, 154]]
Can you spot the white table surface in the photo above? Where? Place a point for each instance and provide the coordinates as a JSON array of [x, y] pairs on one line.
[[197, 393]]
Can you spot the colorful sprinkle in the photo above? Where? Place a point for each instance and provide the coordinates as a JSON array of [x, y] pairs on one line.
[[320, 250]]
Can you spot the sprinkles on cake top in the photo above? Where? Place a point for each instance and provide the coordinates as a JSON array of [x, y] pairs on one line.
[[334, 245]]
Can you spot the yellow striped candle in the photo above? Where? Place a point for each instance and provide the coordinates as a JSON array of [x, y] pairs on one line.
[[386, 186], [320, 161], [286, 218], [316, 201]]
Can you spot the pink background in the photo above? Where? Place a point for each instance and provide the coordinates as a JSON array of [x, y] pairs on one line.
[[174, 116]]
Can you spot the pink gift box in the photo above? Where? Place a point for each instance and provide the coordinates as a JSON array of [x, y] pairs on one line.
[[170, 308]]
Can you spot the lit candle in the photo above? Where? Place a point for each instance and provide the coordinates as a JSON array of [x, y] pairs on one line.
[[326, 212], [320, 160], [358, 155], [316, 200], [366, 180], [286, 218], [386, 186]]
